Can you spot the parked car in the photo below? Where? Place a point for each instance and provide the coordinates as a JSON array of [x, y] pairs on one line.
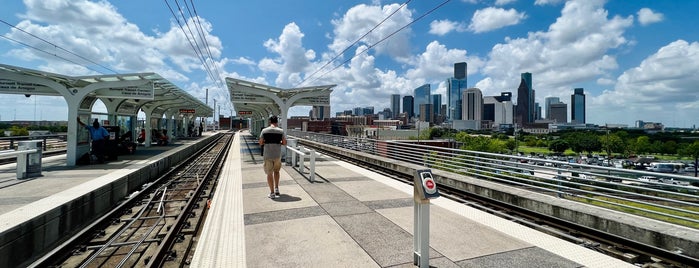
[[662, 168]]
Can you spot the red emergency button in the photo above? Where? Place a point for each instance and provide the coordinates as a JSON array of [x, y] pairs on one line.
[[429, 184]]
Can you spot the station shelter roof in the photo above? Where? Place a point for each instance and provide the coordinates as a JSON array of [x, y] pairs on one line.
[[258, 101], [131, 92]]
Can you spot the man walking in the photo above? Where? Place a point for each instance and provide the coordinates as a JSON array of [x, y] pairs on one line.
[[272, 138]]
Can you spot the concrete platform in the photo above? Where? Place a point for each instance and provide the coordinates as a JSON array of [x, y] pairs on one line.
[[357, 218], [37, 214]]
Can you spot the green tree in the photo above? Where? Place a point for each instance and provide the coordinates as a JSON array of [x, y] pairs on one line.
[[656, 147], [510, 144], [558, 146], [19, 131], [642, 145], [670, 147], [692, 151], [612, 144]]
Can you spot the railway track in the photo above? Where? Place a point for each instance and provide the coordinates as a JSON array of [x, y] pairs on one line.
[[154, 227], [618, 247]]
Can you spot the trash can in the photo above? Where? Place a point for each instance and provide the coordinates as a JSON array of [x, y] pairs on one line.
[[293, 143], [29, 164], [111, 149]]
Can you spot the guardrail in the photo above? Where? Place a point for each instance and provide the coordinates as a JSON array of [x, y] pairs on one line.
[[302, 153], [49, 142], [667, 197]]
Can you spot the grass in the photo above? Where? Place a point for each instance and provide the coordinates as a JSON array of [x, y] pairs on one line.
[[646, 207]]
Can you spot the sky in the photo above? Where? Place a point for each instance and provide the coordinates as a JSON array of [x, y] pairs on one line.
[[636, 60]]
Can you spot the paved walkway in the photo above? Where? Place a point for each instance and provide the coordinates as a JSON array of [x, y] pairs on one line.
[[357, 218]]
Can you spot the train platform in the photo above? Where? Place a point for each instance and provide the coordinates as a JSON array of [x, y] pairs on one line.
[[353, 217], [56, 177]]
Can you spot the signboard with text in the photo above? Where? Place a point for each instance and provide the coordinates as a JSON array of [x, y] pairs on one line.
[[187, 111], [244, 112], [15, 87], [143, 92]]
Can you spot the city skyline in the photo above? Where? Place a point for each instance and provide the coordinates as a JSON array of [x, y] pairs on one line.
[[636, 60]]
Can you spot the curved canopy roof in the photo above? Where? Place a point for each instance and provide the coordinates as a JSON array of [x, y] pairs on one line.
[[131, 92], [259, 101]]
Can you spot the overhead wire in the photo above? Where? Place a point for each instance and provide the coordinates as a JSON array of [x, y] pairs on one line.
[[383, 39], [49, 53], [355, 42], [56, 46]]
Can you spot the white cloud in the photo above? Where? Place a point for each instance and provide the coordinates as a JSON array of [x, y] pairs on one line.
[[443, 27], [504, 2], [547, 2], [647, 16], [293, 59], [361, 18], [492, 18], [573, 50]]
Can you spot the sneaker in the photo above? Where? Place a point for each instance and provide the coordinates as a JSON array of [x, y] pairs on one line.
[[276, 192], [272, 196]]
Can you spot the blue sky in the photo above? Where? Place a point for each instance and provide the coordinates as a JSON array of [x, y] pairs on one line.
[[636, 60]]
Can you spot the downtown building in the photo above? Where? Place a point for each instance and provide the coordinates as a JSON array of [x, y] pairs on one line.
[[395, 105], [408, 107], [422, 95], [577, 106], [455, 88], [525, 113], [498, 111], [472, 110]]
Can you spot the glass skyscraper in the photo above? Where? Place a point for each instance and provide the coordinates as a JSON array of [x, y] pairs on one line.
[[422, 96], [577, 106], [395, 105], [436, 104], [408, 107], [455, 89]]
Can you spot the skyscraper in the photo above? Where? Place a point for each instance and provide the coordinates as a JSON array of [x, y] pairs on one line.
[[395, 105], [547, 105], [472, 104], [320, 112], [408, 107], [558, 112], [426, 112], [436, 104], [498, 109], [577, 106], [523, 111], [422, 96], [455, 88]]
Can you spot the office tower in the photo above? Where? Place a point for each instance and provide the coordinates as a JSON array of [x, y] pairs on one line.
[[436, 104], [358, 111], [426, 112], [455, 88], [395, 105], [472, 104], [577, 106], [498, 109], [530, 105], [369, 110], [408, 107], [559, 112], [547, 105], [460, 70], [523, 112], [537, 111], [320, 112], [422, 96]]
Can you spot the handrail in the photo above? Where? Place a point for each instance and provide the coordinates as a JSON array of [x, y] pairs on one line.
[[302, 153], [671, 197], [16, 153]]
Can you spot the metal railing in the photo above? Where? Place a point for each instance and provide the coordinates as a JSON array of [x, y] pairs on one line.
[[671, 197], [49, 142]]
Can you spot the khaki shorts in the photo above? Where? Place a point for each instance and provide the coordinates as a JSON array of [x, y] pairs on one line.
[[272, 165]]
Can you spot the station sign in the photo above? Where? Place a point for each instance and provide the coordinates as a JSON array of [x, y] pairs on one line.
[[244, 112], [323, 100], [247, 97], [141, 92], [187, 111], [16, 87]]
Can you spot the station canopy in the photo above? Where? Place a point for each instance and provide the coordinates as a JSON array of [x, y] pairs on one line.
[[128, 92], [258, 101]]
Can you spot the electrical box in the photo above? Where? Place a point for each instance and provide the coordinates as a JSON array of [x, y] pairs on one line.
[[29, 164], [425, 185]]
